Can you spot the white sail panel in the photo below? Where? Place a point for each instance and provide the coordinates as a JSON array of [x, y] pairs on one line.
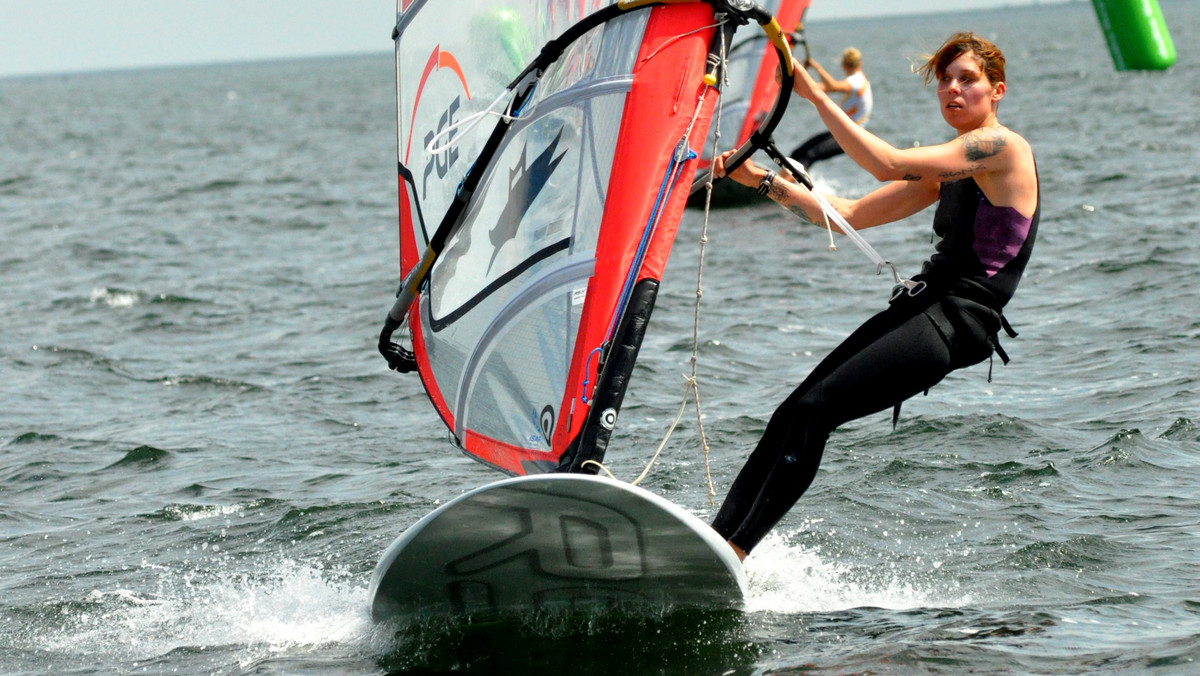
[[499, 321]]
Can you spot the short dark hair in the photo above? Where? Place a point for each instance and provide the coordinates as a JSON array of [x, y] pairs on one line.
[[986, 53]]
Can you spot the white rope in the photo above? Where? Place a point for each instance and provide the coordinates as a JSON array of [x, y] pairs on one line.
[[670, 41], [829, 229], [471, 121], [848, 231], [599, 465], [830, 213], [691, 385], [671, 428], [691, 381]]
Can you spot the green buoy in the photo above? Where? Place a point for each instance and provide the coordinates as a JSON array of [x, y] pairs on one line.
[[1136, 33]]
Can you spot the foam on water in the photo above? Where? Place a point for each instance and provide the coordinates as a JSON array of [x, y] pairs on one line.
[[787, 578], [291, 606]]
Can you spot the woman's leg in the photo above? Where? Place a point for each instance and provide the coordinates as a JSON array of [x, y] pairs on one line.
[[887, 360]]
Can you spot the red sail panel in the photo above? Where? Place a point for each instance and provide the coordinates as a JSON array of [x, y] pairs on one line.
[[765, 89], [652, 126]]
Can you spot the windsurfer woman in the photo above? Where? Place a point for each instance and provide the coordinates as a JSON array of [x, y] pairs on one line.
[[985, 184]]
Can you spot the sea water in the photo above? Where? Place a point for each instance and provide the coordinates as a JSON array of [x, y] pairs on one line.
[[202, 456]]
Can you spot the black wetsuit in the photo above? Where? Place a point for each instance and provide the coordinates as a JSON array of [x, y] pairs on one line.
[[906, 349]]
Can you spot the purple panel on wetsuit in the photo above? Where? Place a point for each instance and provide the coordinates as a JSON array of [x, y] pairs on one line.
[[999, 234]]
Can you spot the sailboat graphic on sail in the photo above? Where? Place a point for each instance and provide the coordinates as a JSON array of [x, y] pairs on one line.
[[528, 298]]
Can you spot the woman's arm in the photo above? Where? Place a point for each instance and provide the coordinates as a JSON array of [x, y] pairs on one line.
[[892, 202], [976, 152], [886, 204]]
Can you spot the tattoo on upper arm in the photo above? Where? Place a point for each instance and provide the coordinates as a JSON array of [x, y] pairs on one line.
[[983, 143]]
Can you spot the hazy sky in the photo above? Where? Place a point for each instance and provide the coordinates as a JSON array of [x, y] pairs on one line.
[[55, 36]]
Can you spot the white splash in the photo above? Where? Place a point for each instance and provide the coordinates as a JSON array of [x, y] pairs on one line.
[[785, 578], [202, 513], [118, 299], [291, 606]]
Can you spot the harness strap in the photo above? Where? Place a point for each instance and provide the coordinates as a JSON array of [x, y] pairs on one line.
[[996, 344], [896, 411], [973, 290], [1007, 327], [946, 328]]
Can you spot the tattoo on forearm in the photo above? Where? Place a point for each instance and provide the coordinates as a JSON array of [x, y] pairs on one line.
[[779, 194], [961, 173], [911, 177], [983, 143], [800, 213]]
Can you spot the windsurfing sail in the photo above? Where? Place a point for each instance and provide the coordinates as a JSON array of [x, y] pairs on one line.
[[546, 149], [748, 97]]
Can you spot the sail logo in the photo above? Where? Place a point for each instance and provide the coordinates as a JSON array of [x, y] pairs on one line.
[[525, 183], [440, 162], [546, 423]]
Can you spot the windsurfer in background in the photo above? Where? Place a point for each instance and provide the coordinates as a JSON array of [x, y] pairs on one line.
[[857, 102], [986, 187]]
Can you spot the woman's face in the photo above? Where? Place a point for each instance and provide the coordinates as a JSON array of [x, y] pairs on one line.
[[966, 95]]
